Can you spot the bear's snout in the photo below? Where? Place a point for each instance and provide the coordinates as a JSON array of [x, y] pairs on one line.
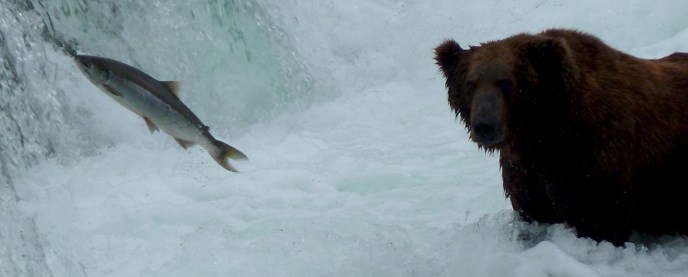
[[486, 132], [486, 123]]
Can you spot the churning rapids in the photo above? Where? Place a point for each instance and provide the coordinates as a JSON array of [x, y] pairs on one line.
[[358, 167]]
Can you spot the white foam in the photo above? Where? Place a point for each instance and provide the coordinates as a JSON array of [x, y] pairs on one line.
[[380, 181]]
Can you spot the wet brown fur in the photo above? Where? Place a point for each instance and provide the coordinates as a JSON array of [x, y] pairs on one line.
[[591, 136]]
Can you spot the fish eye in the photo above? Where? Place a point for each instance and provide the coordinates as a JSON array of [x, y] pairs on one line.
[[87, 64]]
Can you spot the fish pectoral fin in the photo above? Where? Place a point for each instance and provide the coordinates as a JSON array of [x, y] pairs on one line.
[[110, 90], [151, 126], [184, 143], [173, 86]]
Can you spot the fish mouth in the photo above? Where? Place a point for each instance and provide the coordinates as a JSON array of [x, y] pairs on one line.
[[80, 64], [80, 60], [91, 68]]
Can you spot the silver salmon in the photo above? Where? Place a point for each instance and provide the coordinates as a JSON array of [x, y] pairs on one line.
[[157, 102]]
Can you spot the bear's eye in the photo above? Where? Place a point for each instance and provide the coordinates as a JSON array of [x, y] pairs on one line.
[[505, 85], [471, 85]]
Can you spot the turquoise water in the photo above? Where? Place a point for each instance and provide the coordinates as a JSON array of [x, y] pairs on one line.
[[357, 166]]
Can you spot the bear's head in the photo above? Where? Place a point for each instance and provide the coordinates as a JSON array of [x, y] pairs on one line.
[[496, 86]]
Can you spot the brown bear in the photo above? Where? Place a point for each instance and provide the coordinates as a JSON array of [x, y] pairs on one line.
[[588, 135]]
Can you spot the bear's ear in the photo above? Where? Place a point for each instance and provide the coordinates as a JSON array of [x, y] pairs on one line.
[[550, 57], [447, 56]]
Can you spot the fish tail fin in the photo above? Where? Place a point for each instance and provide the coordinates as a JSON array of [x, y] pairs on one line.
[[223, 152]]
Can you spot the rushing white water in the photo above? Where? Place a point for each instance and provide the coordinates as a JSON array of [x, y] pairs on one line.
[[357, 166]]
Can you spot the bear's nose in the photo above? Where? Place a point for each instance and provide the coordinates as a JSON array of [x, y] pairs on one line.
[[486, 132]]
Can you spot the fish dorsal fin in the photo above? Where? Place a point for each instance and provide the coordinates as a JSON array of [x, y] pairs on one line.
[[173, 86]]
